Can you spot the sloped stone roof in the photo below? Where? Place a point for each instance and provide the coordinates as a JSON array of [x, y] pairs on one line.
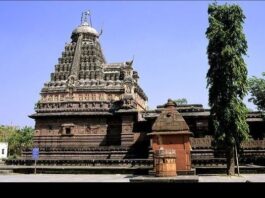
[[170, 119], [83, 81]]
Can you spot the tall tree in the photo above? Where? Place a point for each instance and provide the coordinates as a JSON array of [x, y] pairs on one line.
[[257, 90], [227, 78]]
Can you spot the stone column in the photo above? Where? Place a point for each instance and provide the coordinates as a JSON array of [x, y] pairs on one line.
[[127, 136]]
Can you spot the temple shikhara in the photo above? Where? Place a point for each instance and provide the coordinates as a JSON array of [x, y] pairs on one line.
[[88, 102], [93, 113]]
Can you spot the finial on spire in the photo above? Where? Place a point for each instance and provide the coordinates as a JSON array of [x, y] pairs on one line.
[[84, 18], [101, 31]]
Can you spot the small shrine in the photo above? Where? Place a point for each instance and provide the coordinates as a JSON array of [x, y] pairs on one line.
[[171, 132]]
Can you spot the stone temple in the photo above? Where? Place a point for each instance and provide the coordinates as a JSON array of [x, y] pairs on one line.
[[88, 102], [94, 113]]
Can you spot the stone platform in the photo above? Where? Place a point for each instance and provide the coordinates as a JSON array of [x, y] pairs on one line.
[[107, 166], [179, 172], [177, 179]]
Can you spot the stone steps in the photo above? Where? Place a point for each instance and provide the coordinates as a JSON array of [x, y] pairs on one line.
[[5, 172], [113, 152], [87, 162], [222, 169], [3, 169], [79, 167]]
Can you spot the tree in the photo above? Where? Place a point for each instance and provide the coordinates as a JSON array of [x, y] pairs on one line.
[[26, 137], [257, 90], [181, 101], [227, 78], [14, 148], [6, 132], [17, 138]]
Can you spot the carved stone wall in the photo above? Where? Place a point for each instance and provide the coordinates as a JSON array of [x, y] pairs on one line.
[[127, 136], [206, 143], [75, 131]]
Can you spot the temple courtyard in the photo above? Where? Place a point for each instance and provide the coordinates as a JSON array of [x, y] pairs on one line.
[[113, 178]]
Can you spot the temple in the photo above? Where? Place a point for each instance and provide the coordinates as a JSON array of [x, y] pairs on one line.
[[95, 113], [88, 102]]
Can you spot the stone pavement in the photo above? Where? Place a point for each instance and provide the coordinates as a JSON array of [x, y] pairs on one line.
[[118, 178], [64, 178]]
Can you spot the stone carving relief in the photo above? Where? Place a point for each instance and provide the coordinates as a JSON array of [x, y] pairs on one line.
[[128, 73], [72, 81], [49, 98], [127, 129], [128, 103], [128, 89], [109, 97], [205, 142], [101, 97], [81, 106], [93, 129]]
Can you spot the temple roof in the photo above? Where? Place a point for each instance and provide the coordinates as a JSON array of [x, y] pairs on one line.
[[85, 28], [86, 25], [82, 69], [196, 111], [83, 65], [170, 119]]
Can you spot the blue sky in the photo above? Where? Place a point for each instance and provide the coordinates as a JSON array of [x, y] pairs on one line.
[[167, 40]]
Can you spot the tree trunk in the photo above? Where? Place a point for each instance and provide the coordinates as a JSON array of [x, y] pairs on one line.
[[230, 161]]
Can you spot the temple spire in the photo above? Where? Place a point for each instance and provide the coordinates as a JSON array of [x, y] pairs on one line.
[[84, 18]]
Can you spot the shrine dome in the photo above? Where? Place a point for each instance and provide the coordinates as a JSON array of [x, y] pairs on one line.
[[85, 28]]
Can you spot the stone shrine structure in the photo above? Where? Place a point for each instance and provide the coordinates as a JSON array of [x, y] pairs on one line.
[[170, 131], [87, 102]]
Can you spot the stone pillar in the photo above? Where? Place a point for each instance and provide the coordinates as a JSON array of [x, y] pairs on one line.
[[127, 136]]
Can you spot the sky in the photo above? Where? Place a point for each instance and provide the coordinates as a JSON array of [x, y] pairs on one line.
[[166, 39]]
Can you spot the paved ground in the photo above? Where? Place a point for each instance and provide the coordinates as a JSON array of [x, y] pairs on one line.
[[118, 178], [64, 178]]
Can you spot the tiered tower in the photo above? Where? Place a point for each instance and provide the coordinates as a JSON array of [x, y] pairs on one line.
[[88, 102]]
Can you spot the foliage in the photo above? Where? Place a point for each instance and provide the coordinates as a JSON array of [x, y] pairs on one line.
[[181, 101], [227, 76], [257, 90], [17, 138], [6, 132]]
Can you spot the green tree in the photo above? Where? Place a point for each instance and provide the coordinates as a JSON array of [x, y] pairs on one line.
[[6, 132], [257, 90], [17, 138], [26, 137], [181, 101], [227, 78], [14, 144]]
